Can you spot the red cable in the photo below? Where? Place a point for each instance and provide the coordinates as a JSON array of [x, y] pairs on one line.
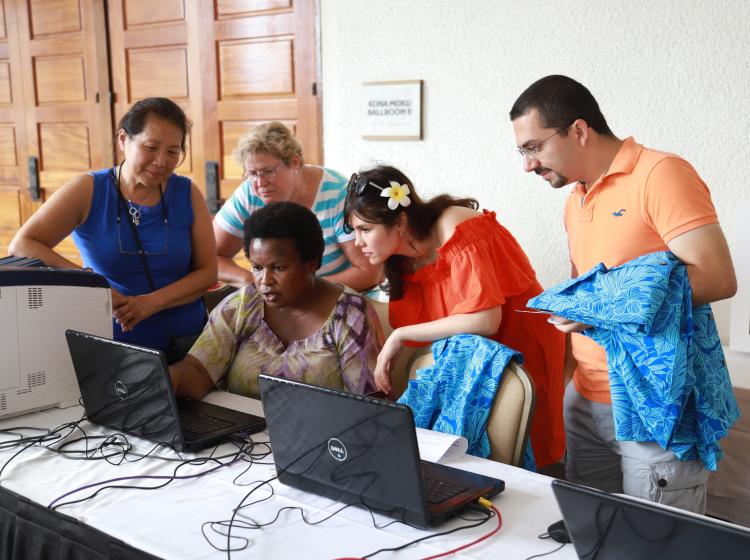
[[472, 543], [462, 547]]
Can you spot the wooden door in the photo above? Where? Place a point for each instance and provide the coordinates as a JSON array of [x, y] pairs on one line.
[[231, 64], [12, 128], [59, 52]]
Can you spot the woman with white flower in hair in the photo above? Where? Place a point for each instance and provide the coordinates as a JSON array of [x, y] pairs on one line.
[[451, 269]]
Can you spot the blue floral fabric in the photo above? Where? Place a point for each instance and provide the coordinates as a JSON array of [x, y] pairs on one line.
[[667, 374], [455, 394]]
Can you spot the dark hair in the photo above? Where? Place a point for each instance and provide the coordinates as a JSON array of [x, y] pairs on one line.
[[287, 220], [560, 101], [421, 216], [134, 121]]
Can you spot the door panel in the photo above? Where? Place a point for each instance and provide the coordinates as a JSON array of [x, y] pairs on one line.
[[8, 156], [172, 80], [145, 12], [52, 17], [59, 79], [259, 67]]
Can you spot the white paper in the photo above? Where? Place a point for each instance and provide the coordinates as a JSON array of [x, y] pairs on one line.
[[437, 446]]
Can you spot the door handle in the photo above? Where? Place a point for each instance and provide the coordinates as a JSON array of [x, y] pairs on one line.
[[34, 187], [212, 186]]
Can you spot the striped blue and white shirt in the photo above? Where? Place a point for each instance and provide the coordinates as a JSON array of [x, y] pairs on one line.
[[328, 206]]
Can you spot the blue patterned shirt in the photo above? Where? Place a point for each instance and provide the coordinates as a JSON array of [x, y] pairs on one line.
[[667, 374], [455, 394]]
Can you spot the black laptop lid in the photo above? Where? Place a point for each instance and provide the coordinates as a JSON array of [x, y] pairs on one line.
[[610, 526], [349, 448], [125, 388]]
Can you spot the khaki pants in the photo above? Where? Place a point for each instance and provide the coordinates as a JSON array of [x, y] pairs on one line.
[[643, 469]]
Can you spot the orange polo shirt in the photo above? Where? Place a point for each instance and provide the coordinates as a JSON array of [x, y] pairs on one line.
[[646, 199]]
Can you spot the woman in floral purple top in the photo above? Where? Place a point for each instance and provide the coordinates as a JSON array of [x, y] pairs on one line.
[[290, 323]]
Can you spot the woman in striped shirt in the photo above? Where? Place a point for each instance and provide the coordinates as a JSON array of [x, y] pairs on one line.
[[274, 171]]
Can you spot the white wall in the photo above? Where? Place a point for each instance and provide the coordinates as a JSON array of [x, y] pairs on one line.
[[674, 74]]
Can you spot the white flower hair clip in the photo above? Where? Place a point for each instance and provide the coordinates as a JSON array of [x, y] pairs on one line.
[[396, 194]]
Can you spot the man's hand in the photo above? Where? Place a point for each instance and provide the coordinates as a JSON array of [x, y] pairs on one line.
[[566, 325]]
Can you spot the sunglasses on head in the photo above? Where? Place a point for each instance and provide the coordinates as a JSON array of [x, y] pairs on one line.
[[358, 184]]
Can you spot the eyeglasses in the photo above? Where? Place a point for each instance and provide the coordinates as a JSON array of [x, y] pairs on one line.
[[534, 149], [257, 175], [155, 243], [357, 184]]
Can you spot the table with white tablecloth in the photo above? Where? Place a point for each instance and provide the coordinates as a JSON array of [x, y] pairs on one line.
[[174, 521]]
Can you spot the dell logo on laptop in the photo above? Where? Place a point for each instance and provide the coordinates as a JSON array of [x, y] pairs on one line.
[[121, 390], [337, 449]]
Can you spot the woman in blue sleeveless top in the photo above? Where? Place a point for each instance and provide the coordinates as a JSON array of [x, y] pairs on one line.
[[139, 202]]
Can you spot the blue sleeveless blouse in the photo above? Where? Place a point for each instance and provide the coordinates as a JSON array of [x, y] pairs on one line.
[[110, 249]]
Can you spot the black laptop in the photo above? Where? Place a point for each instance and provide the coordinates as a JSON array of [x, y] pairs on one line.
[[128, 388], [613, 526], [363, 451]]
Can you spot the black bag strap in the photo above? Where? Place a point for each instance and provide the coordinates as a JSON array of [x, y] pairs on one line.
[[138, 244], [121, 204], [141, 252]]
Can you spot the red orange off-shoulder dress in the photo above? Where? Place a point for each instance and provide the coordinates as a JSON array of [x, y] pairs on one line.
[[483, 266]]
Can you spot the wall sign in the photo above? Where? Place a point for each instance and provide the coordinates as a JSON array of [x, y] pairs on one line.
[[393, 110]]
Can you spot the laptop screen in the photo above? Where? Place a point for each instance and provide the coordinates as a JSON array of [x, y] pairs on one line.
[[125, 388], [613, 526], [348, 448]]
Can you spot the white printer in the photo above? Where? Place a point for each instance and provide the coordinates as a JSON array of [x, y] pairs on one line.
[[37, 304]]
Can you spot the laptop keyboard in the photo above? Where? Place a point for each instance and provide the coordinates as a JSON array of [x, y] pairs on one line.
[[438, 490], [201, 424]]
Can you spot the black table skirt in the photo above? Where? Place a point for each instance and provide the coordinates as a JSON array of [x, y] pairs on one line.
[[29, 531]]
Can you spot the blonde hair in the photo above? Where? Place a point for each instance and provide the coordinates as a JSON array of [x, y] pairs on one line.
[[271, 137]]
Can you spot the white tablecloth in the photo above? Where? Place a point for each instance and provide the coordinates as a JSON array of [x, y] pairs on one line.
[[167, 522]]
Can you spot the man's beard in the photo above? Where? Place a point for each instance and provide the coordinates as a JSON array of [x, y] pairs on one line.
[[556, 182]]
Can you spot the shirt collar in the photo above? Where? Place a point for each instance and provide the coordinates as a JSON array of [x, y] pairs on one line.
[[626, 157], [624, 162]]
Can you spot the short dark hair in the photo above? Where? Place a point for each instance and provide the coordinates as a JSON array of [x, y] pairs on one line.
[[560, 101], [134, 121], [287, 220]]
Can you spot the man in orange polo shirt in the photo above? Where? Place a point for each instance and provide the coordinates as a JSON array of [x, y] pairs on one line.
[[627, 201]]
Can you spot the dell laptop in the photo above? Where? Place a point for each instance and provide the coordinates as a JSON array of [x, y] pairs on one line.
[[614, 526], [128, 388], [363, 451]]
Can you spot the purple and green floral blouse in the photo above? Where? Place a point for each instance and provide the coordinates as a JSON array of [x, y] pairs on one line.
[[237, 345]]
